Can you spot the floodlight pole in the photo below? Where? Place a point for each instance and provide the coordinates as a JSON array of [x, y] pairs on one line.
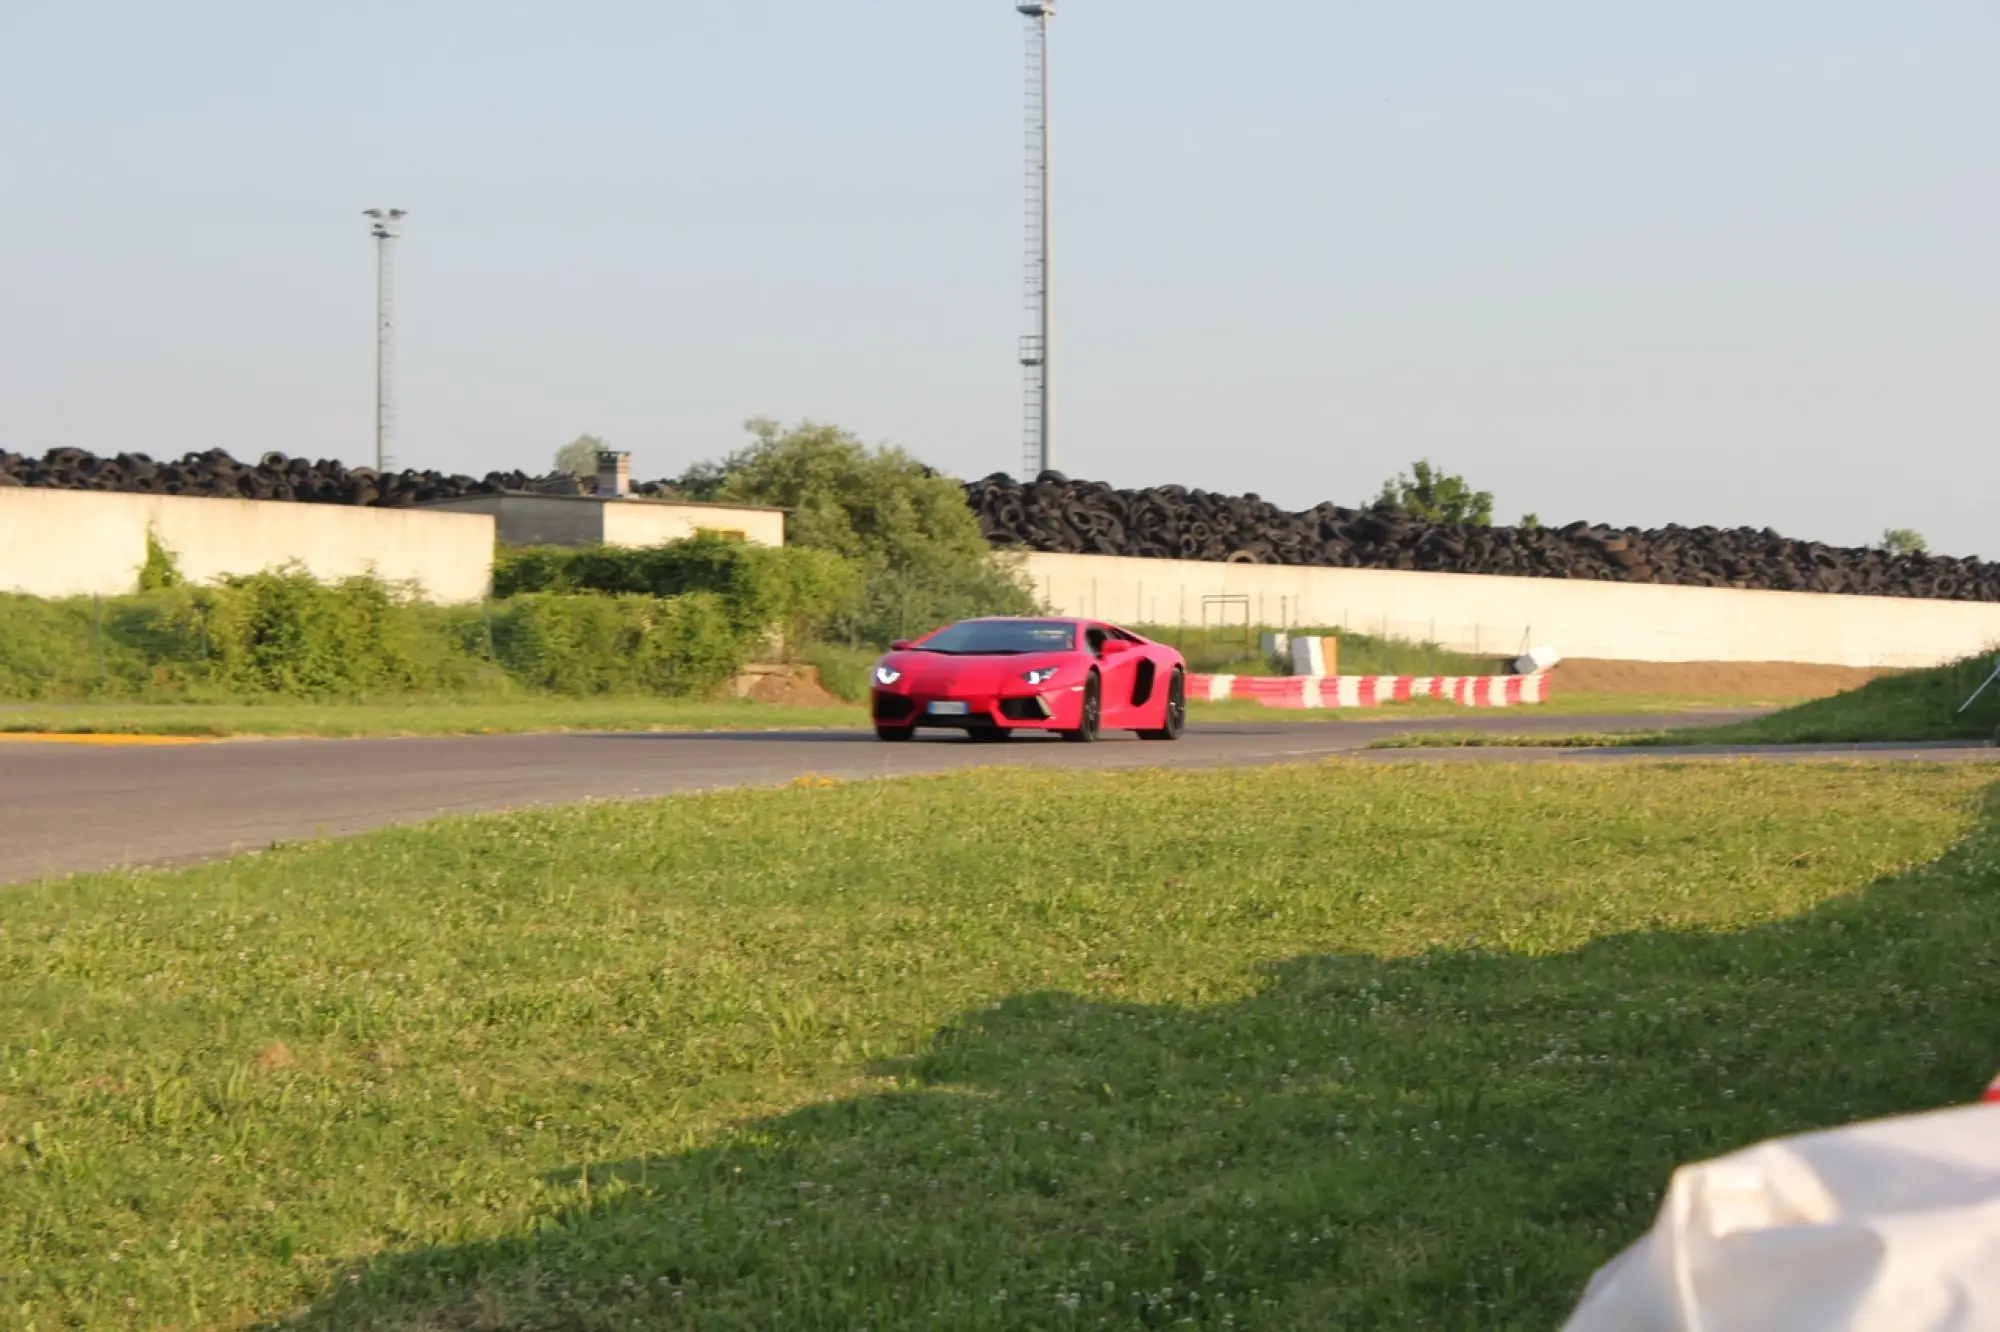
[[385, 226], [1038, 348]]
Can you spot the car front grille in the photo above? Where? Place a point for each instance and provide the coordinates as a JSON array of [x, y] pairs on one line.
[[893, 707]]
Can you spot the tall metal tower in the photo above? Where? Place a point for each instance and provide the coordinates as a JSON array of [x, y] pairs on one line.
[[1038, 348], [385, 226]]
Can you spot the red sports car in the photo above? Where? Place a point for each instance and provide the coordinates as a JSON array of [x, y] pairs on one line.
[[993, 677]]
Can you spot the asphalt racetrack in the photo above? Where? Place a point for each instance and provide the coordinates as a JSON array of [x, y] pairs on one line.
[[66, 808]]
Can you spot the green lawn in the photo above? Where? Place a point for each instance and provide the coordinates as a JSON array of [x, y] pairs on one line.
[[1916, 707], [1504, 740], [1331, 1046], [1238, 651], [1919, 705], [461, 717], [1558, 705], [421, 716]]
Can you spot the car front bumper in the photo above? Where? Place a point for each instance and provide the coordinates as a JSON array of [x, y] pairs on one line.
[[1058, 709]]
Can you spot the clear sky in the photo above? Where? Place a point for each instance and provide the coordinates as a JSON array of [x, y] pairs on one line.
[[1712, 261]]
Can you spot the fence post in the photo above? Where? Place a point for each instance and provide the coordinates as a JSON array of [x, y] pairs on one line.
[[97, 632]]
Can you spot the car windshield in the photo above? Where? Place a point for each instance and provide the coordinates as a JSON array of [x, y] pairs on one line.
[[1008, 638]]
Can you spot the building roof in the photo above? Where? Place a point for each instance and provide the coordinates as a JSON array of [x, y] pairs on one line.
[[605, 499]]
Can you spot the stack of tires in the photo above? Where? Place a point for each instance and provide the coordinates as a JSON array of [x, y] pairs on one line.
[[214, 474], [1054, 513]]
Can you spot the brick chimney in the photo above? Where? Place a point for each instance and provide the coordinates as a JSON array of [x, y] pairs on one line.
[[614, 475]]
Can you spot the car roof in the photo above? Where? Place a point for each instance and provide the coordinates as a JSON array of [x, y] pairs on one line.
[[1080, 621], [1021, 619]]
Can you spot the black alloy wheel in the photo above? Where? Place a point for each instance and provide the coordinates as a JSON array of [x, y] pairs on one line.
[[1176, 717], [1093, 710]]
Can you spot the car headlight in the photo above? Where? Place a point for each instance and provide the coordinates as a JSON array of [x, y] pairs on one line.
[[1040, 675], [887, 675]]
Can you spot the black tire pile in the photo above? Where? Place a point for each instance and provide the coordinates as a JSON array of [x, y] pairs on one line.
[[1054, 513], [216, 475]]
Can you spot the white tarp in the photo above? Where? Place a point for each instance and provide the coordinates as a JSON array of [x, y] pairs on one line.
[[1535, 660], [1886, 1226]]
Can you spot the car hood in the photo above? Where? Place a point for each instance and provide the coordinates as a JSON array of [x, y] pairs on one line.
[[924, 671]]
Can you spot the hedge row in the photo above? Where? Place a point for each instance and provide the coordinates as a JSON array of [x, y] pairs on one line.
[[761, 588], [285, 635]]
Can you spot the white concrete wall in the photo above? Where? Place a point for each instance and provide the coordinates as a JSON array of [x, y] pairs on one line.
[[651, 522], [571, 520], [1502, 616], [75, 543]]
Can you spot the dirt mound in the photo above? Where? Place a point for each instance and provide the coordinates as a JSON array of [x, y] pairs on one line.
[[797, 686], [1773, 680]]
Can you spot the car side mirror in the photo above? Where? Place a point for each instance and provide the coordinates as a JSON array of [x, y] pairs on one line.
[[900, 645], [1114, 646]]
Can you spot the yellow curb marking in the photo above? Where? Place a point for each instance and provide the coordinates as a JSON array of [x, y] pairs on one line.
[[67, 738]]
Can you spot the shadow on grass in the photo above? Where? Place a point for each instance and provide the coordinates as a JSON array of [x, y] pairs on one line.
[[1448, 1141]]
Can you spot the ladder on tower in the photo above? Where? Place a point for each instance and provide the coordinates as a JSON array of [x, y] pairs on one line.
[[1034, 349], [1031, 407]]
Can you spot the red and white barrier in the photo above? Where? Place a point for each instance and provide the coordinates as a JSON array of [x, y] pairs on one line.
[[1370, 691]]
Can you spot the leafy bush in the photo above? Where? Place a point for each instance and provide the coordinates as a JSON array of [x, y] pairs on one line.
[[844, 671], [581, 644], [759, 588], [47, 648], [283, 635], [284, 632], [907, 530], [161, 569]]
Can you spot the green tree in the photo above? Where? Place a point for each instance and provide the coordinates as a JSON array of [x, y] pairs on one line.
[[1904, 541], [922, 558], [579, 456], [1531, 521], [1432, 496]]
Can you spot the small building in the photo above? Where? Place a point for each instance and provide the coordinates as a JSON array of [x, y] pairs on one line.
[[614, 516]]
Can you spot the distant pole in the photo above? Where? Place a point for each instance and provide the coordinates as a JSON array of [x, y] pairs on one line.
[[1038, 348], [385, 226]]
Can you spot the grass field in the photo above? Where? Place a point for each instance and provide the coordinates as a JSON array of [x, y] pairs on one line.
[[1238, 651], [459, 717], [1916, 707], [1503, 740], [1921, 705], [1333, 1046], [421, 717], [1557, 705]]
